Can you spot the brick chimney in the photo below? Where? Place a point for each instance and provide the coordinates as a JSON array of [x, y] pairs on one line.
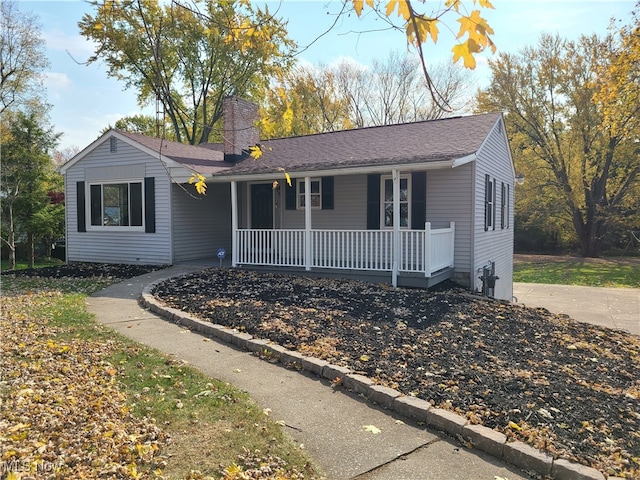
[[240, 131]]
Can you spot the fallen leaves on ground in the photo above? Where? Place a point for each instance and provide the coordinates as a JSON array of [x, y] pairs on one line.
[[63, 414], [565, 387], [372, 429]]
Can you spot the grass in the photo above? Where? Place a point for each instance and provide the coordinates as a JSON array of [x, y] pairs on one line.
[[210, 423], [21, 265], [578, 271]]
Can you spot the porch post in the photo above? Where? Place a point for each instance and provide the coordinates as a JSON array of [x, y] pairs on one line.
[[234, 224], [307, 223], [427, 249], [396, 227]]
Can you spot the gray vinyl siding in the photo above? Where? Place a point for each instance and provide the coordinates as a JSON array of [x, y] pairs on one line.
[[118, 246], [201, 223], [449, 199], [494, 245], [349, 209]]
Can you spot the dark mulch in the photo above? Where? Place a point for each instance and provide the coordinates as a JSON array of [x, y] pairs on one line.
[[85, 270], [566, 387]]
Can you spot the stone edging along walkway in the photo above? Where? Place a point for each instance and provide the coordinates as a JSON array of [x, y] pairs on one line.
[[483, 438]]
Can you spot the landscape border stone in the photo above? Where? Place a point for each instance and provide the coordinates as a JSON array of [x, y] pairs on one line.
[[566, 470], [412, 407], [483, 438], [383, 396], [446, 421], [357, 383], [527, 458]]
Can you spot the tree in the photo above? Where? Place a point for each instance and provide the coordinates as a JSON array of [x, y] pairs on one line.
[[22, 57], [394, 91], [26, 175], [578, 144], [60, 157], [185, 59], [324, 99], [420, 25], [144, 125], [304, 101]]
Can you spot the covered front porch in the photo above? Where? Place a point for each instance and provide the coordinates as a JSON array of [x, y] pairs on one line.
[[427, 253], [424, 255]]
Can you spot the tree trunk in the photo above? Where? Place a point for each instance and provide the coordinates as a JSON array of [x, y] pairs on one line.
[[588, 232], [31, 254], [11, 239], [12, 255]]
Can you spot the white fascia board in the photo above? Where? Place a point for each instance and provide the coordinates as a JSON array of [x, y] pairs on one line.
[[463, 160], [359, 170]]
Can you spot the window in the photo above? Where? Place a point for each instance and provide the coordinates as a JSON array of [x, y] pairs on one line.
[[316, 194], [116, 204], [113, 144], [489, 203], [387, 201]]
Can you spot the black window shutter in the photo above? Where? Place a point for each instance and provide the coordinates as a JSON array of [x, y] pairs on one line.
[[502, 204], [149, 205], [80, 203], [373, 202], [290, 195], [494, 190], [418, 200], [487, 200], [327, 193]]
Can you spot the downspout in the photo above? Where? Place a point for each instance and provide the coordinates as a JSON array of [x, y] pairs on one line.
[[472, 272], [171, 232]]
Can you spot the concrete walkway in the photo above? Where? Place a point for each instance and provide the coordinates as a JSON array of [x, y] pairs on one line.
[[329, 422], [617, 308]]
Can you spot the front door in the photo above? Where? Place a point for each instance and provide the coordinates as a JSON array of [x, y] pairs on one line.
[[262, 205]]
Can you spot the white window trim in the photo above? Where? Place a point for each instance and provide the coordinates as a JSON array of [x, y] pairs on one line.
[[300, 181], [406, 176], [112, 228]]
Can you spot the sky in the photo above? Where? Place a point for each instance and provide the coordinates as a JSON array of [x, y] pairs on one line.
[[85, 100]]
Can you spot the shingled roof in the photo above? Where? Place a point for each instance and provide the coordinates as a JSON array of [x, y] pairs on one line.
[[207, 160], [407, 143]]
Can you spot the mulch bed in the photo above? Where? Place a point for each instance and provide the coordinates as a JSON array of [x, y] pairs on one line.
[[569, 388], [85, 270]]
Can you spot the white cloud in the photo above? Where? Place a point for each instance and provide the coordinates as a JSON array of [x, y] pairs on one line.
[[75, 45], [57, 81]]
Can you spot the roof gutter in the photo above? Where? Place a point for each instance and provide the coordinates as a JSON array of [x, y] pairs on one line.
[[463, 160], [355, 170]]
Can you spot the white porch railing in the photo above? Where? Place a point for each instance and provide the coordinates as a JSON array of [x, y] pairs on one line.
[[425, 251]]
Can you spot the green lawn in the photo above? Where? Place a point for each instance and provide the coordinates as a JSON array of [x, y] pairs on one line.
[[578, 271], [21, 265], [53, 339]]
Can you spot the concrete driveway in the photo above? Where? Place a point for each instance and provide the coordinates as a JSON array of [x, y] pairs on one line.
[[617, 308]]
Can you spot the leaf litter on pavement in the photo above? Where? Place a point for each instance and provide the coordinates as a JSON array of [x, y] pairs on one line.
[[565, 387]]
